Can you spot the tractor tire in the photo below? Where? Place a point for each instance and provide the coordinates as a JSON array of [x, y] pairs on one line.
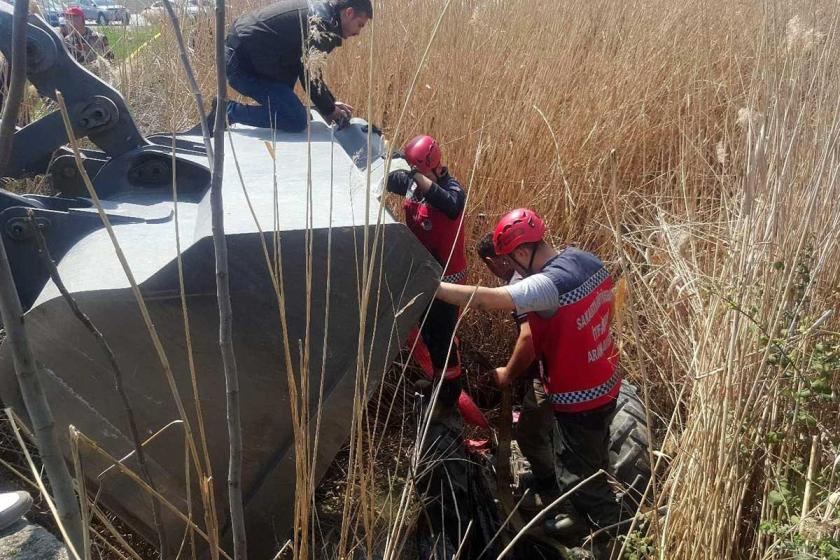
[[629, 443], [454, 486]]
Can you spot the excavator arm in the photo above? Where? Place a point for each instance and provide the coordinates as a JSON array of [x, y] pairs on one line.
[[97, 111]]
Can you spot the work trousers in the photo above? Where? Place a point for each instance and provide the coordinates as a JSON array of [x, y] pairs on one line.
[[583, 442], [279, 107], [534, 432]]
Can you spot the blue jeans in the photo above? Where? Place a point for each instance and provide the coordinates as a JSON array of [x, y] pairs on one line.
[[278, 107]]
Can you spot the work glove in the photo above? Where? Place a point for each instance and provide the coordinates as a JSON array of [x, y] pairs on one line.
[[399, 181]]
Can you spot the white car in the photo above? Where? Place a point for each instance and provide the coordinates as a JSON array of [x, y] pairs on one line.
[[189, 8], [103, 13]]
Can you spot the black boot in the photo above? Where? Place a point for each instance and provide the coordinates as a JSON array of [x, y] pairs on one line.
[[541, 492], [565, 523], [211, 117]]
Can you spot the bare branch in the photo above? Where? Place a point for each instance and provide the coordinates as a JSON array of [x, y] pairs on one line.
[[37, 407], [237, 514]]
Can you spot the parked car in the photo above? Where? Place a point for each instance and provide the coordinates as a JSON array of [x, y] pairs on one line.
[[51, 10], [189, 9], [103, 13]]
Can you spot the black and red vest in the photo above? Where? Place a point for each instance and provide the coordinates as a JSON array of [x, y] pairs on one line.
[[575, 342], [439, 234]]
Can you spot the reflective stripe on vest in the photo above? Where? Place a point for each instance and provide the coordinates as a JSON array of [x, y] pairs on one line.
[[457, 278], [586, 395]]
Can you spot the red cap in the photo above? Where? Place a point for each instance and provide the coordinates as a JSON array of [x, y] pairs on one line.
[[515, 228], [423, 153], [72, 11]]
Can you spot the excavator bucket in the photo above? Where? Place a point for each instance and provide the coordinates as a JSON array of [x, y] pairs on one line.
[[306, 240]]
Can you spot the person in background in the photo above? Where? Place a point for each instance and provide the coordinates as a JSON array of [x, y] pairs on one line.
[[84, 44]]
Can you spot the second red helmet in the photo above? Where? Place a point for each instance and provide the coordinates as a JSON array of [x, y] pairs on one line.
[[515, 228], [423, 152]]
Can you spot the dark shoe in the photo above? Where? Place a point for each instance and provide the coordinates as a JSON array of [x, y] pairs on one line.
[[211, 117], [541, 493]]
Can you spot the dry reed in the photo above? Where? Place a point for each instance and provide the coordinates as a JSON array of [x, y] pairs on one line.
[[695, 148]]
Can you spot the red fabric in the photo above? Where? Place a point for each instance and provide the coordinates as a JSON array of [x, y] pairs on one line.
[[577, 349], [438, 234], [469, 410], [480, 446]]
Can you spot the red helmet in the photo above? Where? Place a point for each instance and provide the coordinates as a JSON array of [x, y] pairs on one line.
[[423, 153], [515, 228], [72, 11]]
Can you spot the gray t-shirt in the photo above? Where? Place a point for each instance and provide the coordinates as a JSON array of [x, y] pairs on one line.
[[536, 293], [518, 318]]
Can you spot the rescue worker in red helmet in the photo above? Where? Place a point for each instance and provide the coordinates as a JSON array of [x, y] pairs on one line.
[[434, 205], [567, 295], [534, 429]]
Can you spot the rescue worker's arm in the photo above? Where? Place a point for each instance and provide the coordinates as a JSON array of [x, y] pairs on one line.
[[520, 360], [536, 293], [449, 199], [398, 182], [484, 298]]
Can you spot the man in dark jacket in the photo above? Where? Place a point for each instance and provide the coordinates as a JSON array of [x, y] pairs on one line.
[[265, 52]]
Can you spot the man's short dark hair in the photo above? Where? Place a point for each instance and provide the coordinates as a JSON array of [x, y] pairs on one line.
[[364, 6], [485, 248]]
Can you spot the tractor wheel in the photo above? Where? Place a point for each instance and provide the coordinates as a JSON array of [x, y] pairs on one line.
[[629, 442]]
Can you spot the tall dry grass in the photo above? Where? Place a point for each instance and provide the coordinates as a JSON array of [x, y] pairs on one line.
[[694, 146]]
